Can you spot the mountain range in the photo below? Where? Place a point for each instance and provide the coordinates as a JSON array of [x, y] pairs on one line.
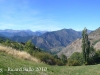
[[23, 33], [56, 40], [75, 46], [53, 41]]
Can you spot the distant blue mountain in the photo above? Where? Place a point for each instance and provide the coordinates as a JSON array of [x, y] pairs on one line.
[[88, 31], [10, 33], [43, 39], [50, 40]]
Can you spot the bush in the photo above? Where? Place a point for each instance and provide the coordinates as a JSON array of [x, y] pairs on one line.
[[45, 57], [29, 47], [63, 58], [17, 46], [92, 56], [75, 59], [73, 62], [59, 62], [48, 58], [97, 57]]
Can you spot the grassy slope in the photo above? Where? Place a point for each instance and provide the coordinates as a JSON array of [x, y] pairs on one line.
[[10, 61]]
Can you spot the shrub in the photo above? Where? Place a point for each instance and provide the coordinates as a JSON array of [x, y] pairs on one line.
[[73, 62], [75, 59], [97, 57], [63, 58], [59, 62], [29, 47], [92, 56], [45, 57]]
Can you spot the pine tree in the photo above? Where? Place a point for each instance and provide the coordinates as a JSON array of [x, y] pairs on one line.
[[85, 46]]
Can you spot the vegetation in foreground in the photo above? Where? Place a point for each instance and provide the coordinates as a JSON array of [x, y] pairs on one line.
[[10, 64], [89, 55], [28, 49], [13, 62]]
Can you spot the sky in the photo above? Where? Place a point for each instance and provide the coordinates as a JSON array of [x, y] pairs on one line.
[[49, 15]]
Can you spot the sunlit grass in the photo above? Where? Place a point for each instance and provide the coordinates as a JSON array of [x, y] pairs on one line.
[[17, 53], [9, 60]]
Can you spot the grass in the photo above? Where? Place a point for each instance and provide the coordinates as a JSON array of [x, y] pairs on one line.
[[8, 60], [17, 53]]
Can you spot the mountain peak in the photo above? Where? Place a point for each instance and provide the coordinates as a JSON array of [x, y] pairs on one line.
[[75, 46], [11, 33]]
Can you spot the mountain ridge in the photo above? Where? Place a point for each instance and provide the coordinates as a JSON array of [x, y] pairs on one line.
[[10, 33], [75, 46], [51, 40]]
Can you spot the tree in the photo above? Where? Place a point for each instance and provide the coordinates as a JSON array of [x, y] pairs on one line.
[[29, 47], [97, 60], [85, 46], [63, 59], [92, 55], [8, 42]]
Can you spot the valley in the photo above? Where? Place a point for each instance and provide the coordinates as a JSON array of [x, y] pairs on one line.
[[49, 37], [53, 41], [75, 46], [39, 63]]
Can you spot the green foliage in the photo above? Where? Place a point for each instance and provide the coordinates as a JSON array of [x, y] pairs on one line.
[[14, 62], [63, 59], [37, 52], [29, 47], [59, 62], [45, 57], [92, 55], [97, 56], [17, 46], [75, 59], [2, 39], [56, 56], [48, 58], [85, 46], [12, 44], [89, 53], [73, 62], [8, 42]]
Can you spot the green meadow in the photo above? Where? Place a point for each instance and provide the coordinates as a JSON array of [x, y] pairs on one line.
[[10, 65]]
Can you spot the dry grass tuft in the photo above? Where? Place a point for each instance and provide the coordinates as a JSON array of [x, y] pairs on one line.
[[19, 54]]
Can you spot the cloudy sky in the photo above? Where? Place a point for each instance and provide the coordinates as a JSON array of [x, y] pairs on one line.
[[49, 14]]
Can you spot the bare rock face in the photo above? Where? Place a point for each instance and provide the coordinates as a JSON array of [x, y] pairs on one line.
[[73, 47], [76, 46], [97, 46], [52, 40]]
